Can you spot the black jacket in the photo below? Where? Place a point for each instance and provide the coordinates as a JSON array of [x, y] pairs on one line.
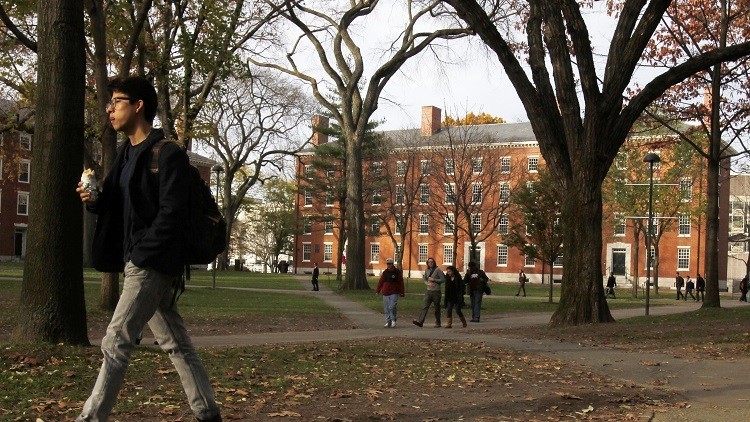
[[159, 205], [454, 290]]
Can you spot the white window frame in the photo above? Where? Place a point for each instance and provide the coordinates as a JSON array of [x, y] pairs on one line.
[[528, 261], [307, 226], [476, 223], [686, 189], [396, 225], [424, 223], [377, 198], [504, 187], [331, 174], [682, 259], [447, 253], [532, 163], [502, 255], [503, 222], [400, 168], [306, 250], [683, 226], [424, 167], [375, 226], [558, 263], [619, 223], [328, 227], [450, 167], [476, 193], [450, 224], [400, 194], [377, 168], [24, 139], [450, 193], [308, 170], [308, 198], [505, 164], [422, 253], [327, 251], [20, 195], [477, 165], [374, 253], [424, 193], [27, 164], [329, 197]]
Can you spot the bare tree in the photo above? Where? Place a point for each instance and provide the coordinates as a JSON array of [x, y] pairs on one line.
[[251, 124], [330, 28], [581, 120]]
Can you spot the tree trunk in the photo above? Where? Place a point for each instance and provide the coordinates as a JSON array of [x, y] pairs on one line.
[[636, 252], [109, 292], [712, 234], [52, 305], [582, 297], [356, 278]]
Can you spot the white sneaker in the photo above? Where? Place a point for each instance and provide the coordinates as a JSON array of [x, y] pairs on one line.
[[387, 325], [393, 324]]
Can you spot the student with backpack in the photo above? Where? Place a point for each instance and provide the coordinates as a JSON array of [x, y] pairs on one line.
[[142, 229]]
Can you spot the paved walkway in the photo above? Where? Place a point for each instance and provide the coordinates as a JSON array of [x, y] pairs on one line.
[[715, 390]]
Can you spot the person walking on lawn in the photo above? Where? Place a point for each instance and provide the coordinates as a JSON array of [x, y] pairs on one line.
[[689, 286], [433, 277], [142, 216], [454, 295], [522, 280], [391, 286], [611, 283], [476, 279], [679, 283], [315, 274], [700, 288]]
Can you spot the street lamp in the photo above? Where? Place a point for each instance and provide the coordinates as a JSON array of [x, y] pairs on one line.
[[218, 169], [650, 158]]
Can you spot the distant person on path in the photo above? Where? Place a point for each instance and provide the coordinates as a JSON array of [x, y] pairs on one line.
[[522, 280], [476, 279], [391, 286], [611, 283], [743, 290], [679, 283], [689, 286], [315, 274], [700, 288], [454, 295], [433, 277], [141, 219]]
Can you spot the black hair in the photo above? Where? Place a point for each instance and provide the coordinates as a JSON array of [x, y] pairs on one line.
[[472, 264], [137, 88]]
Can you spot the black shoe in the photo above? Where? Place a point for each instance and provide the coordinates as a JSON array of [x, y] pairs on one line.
[[417, 323]]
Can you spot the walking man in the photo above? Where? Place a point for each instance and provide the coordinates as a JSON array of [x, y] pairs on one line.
[[679, 282], [476, 279], [611, 283], [700, 288], [433, 277], [391, 286], [689, 286], [522, 279], [315, 274], [142, 218], [743, 290]]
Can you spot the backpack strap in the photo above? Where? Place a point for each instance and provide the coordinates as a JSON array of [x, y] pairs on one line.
[[154, 167]]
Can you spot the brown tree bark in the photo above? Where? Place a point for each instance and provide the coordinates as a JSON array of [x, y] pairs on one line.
[[52, 305]]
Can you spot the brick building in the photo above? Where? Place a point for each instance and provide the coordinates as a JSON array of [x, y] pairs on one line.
[[485, 163]]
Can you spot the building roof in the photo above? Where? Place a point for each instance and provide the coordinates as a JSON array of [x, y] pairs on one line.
[[495, 133]]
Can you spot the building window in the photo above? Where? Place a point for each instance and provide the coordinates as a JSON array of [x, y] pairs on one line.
[[424, 194], [23, 203], [25, 139], [684, 229], [533, 164], [529, 261], [422, 253], [450, 193], [476, 165], [424, 167], [308, 170], [328, 252], [686, 189], [502, 255], [476, 193], [400, 168], [558, 263], [400, 194], [306, 252], [504, 192], [530, 186], [447, 254], [329, 227], [377, 199], [307, 226], [377, 168], [450, 167], [654, 225], [476, 223], [424, 223], [374, 253], [398, 223], [449, 223], [619, 224], [397, 253], [308, 198], [375, 226], [503, 223], [24, 171], [683, 259], [653, 257], [331, 174], [329, 198], [505, 164]]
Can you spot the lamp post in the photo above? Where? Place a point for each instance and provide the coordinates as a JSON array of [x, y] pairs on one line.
[[650, 158], [218, 169]]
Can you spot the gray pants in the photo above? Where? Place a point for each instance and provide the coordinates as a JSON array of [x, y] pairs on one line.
[[390, 306], [430, 297], [147, 297]]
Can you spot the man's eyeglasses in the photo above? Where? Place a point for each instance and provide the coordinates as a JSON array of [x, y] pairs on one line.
[[113, 102]]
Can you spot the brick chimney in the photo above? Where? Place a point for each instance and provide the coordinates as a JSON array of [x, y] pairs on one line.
[[431, 117], [319, 122]]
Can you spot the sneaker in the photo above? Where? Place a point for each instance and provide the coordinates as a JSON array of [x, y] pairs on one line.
[[387, 325], [417, 323], [393, 324]]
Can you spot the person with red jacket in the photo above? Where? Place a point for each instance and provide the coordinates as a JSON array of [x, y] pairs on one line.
[[391, 286]]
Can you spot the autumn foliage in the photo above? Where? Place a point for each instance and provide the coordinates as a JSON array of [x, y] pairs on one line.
[[472, 119]]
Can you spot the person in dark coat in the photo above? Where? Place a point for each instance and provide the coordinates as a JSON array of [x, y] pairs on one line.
[[454, 295], [611, 283], [522, 280], [689, 286], [391, 286], [743, 289], [142, 221], [315, 274], [679, 283], [700, 288], [476, 279]]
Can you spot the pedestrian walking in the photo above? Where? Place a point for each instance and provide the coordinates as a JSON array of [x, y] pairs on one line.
[[315, 274], [679, 283], [689, 286], [611, 283], [477, 280], [700, 288], [433, 277], [522, 280], [454, 295], [391, 286], [141, 219], [743, 290]]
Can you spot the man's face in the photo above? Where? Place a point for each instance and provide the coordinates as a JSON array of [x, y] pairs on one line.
[[123, 111]]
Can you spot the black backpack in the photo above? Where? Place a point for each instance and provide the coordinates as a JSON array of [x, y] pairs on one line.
[[206, 236]]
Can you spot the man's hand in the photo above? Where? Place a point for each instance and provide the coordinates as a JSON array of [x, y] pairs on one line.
[[84, 194]]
